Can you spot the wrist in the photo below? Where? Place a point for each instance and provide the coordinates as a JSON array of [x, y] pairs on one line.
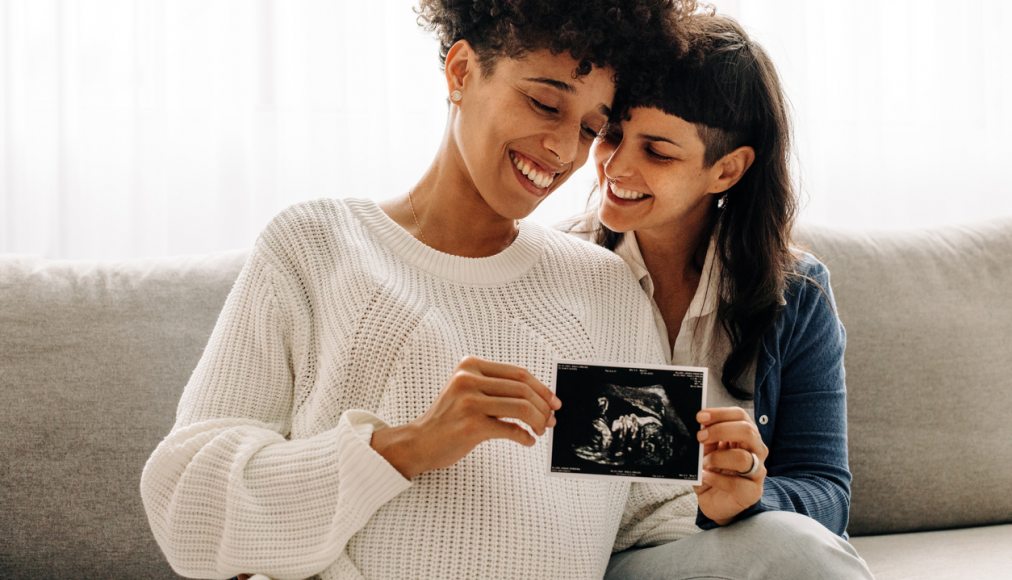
[[396, 445]]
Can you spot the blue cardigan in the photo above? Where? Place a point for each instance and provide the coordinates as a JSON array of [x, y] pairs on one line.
[[801, 406]]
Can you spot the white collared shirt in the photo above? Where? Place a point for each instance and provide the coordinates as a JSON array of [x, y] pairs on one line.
[[701, 341]]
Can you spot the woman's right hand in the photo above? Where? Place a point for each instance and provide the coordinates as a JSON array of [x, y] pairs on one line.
[[470, 410]]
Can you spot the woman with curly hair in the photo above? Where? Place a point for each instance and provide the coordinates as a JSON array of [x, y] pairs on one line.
[[695, 195], [371, 398]]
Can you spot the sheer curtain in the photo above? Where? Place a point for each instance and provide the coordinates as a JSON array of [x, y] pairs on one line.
[[156, 127], [902, 108]]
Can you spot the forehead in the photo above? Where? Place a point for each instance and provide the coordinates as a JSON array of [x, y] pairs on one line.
[[558, 71], [657, 122]]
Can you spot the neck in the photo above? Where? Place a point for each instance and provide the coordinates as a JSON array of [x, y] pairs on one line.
[[676, 254], [446, 212]]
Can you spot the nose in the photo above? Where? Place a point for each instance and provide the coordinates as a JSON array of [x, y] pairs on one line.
[[616, 165], [564, 144]]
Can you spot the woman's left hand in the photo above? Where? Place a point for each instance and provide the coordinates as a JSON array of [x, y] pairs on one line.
[[729, 438]]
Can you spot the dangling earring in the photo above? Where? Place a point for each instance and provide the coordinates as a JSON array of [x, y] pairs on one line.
[[456, 96], [722, 202]]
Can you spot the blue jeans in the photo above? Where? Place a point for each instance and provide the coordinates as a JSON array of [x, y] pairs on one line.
[[780, 545]]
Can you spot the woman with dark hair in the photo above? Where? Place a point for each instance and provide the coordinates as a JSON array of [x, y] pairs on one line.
[[368, 402], [696, 196]]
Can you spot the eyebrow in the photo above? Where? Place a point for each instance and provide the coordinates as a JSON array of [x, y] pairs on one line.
[[659, 138], [566, 88]]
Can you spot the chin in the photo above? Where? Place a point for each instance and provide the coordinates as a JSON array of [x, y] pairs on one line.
[[618, 227], [512, 208], [611, 219]]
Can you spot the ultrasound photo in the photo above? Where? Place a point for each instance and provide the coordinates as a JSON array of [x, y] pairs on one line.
[[635, 423]]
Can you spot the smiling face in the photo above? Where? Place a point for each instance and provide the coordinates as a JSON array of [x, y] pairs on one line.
[[522, 130], [652, 174]]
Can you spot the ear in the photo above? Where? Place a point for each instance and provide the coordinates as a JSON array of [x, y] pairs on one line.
[[729, 169], [461, 63]]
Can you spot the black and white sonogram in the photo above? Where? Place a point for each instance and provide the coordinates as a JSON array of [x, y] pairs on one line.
[[628, 422]]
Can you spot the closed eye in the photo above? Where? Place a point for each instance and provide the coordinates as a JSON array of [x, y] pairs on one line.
[[655, 155], [542, 107], [590, 133]]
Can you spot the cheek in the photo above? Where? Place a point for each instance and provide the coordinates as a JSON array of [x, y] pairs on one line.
[[600, 155], [581, 156], [602, 151]]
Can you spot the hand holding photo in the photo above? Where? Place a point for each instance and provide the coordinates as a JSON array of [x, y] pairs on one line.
[[636, 423]]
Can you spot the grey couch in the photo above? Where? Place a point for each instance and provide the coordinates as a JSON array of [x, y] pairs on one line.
[[93, 357]]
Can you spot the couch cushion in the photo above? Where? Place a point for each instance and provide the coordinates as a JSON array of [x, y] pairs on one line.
[[93, 358], [970, 554], [929, 373]]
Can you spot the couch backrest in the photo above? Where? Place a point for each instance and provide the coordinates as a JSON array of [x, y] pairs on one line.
[[94, 356], [929, 373], [93, 359]]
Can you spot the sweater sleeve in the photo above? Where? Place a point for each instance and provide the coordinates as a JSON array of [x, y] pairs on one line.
[[227, 491], [807, 466]]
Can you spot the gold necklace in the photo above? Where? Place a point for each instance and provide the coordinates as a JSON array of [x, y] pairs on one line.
[[421, 232]]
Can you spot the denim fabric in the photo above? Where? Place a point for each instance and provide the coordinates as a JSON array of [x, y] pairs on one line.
[[780, 545], [801, 406]]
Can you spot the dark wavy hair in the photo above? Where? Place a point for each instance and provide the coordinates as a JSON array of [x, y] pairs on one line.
[[726, 85], [594, 32]]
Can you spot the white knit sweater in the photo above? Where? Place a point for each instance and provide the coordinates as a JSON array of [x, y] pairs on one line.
[[341, 322]]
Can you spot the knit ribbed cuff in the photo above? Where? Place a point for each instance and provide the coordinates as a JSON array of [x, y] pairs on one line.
[[368, 481]]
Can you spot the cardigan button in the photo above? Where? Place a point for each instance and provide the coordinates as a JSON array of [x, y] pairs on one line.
[[763, 420]]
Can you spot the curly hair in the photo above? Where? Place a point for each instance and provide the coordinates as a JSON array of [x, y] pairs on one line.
[[594, 32]]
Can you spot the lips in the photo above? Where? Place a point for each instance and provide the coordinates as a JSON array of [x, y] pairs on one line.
[[627, 194], [538, 176], [623, 196]]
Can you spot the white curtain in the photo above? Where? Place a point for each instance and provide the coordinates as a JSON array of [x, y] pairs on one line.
[[902, 108], [156, 127]]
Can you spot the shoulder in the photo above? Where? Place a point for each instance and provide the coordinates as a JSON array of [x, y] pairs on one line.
[[808, 282], [306, 234], [306, 217], [808, 266], [573, 251], [810, 305], [312, 221]]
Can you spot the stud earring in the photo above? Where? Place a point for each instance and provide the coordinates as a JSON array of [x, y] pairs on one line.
[[456, 96]]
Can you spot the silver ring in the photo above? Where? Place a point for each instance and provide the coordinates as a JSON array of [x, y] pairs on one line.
[[752, 470]]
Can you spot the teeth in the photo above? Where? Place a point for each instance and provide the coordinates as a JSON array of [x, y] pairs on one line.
[[626, 193], [539, 178]]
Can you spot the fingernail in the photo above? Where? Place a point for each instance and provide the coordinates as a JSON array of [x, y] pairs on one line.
[[556, 402], [702, 416], [702, 435], [552, 421]]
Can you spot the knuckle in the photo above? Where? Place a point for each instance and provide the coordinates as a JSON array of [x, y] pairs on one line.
[[469, 361], [462, 379]]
